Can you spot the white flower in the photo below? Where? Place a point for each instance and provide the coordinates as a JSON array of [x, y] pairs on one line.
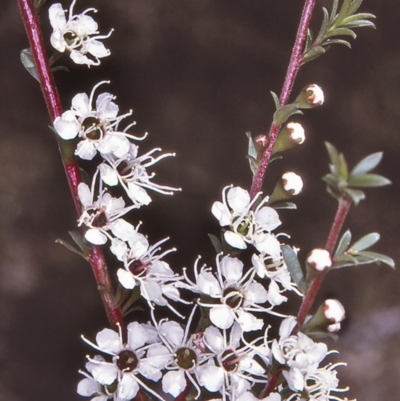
[[245, 225], [299, 352], [96, 126], [128, 361], [103, 215], [319, 259], [233, 368], [131, 172], [239, 295], [78, 35], [144, 267], [292, 183], [319, 385]]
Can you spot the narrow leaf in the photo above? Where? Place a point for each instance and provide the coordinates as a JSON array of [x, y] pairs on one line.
[[365, 242], [337, 42], [344, 243], [28, 62], [367, 164], [378, 257], [216, 243], [324, 26], [276, 100], [341, 32], [368, 181], [356, 194], [293, 265]]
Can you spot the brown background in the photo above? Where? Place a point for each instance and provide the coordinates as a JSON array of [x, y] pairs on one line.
[[198, 75]]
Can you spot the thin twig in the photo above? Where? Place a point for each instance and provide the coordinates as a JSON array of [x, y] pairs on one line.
[[53, 103]]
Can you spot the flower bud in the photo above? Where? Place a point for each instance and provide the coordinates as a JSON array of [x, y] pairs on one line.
[[327, 318], [319, 259], [311, 96], [292, 183], [288, 186], [289, 136]]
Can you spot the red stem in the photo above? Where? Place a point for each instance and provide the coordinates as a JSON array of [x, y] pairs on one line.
[[293, 68], [309, 298], [53, 103]]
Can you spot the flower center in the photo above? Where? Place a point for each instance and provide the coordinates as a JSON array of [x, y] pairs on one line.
[[137, 266], [92, 128], [186, 358], [233, 297], [127, 361], [230, 361]]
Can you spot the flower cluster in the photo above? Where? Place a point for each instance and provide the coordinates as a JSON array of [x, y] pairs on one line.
[[229, 354], [77, 35]]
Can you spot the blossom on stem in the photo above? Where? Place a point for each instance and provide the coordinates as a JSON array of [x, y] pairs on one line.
[[244, 225], [103, 215], [97, 127], [232, 295], [297, 351], [292, 183], [78, 35], [131, 173], [315, 95], [130, 360], [233, 370]]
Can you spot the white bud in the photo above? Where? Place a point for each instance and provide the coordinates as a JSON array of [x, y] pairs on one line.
[[316, 95], [334, 310], [334, 328], [296, 132], [319, 259], [292, 183]]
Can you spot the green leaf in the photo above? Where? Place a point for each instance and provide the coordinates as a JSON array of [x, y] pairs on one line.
[[312, 54], [216, 243], [341, 32], [338, 42], [344, 243], [276, 100], [365, 242], [324, 26], [283, 113], [28, 62], [368, 181], [333, 11], [284, 205], [294, 267], [367, 164], [378, 257]]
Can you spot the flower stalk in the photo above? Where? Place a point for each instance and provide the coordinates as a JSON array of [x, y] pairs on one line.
[[293, 68], [71, 168]]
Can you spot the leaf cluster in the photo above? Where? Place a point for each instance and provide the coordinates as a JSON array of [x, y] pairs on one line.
[[334, 26], [342, 183], [356, 254]]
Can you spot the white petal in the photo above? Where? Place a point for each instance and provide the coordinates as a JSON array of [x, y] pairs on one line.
[[119, 249], [86, 149], [108, 174], [267, 244], [106, 108], [212, 378], [268, 218], [287, 326], [174, 382], [95, 236], [234, 240], [85, 195], [231, 268], [137, 335], [256, 293], [126, 279], [128, 387], [249, 322], [274, 295], [109, 341], [122, 229], [214, 339], [88, 387], [222, 316], [96, 48], [138, 194], [80, 103], [208, 284], [221, 213], [105, 373], [67, 126], [238, 199], [57, 16], [173, 332]]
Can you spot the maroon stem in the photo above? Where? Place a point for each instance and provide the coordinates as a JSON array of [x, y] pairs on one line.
[[309, 298], [53, 103], [293, 68]]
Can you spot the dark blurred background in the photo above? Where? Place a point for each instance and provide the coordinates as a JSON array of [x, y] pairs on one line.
[[197, 75]]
